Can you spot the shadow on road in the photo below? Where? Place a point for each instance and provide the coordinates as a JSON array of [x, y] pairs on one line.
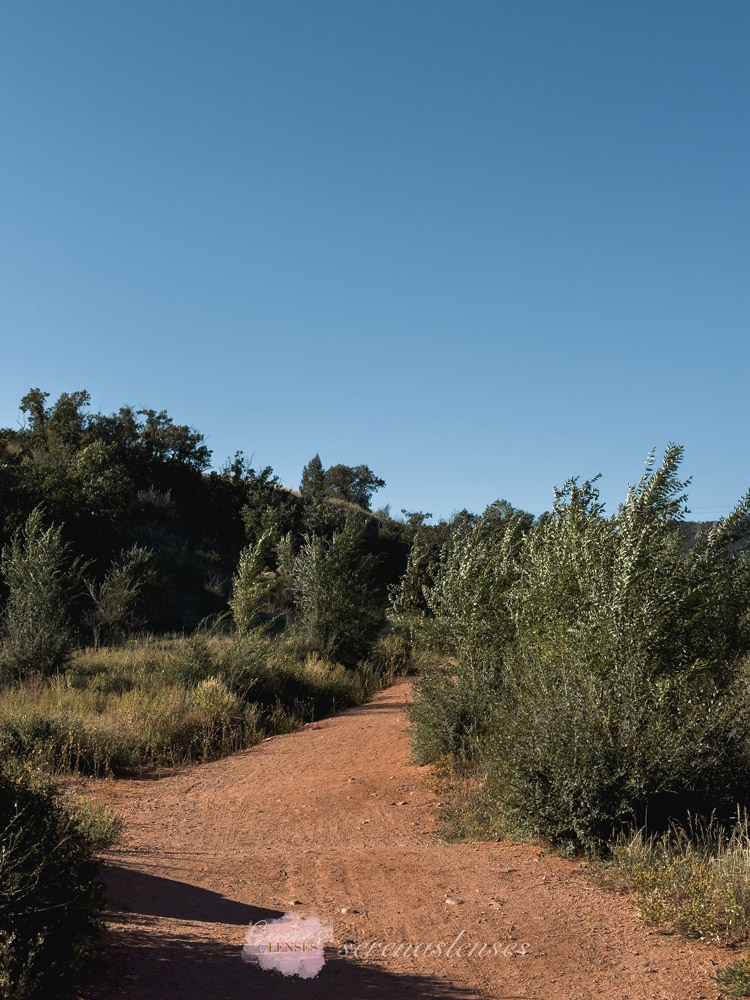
[[142, 959], [147, 966], [155, 896]]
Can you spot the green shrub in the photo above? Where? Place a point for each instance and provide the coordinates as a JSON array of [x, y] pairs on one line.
[[37, 633], [598, 679], [50, 892], [195, 659], [734, 979], [453, 715], [466, 614], [115, 599], [580, 756], [250, 588], [339, 610]]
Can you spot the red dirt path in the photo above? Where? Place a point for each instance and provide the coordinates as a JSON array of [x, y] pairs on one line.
[[334, 818]]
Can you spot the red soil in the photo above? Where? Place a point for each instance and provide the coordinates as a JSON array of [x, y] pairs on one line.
[[335, 820]]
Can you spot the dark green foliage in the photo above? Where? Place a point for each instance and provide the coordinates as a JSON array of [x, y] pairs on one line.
[[354, 484], [50, 893], [270, 511], [135, 480], [583, 755], [115, 599], [734, 978], [454, 715], [339, 610], [125, 479], [194, 660]]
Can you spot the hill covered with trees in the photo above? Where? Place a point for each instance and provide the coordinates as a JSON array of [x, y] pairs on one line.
[[134, 498]]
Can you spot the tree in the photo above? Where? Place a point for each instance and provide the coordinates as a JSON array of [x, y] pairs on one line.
[[339, 609], [313, 478], [353, 483], [269, 509], [41, 583], [34, 406]]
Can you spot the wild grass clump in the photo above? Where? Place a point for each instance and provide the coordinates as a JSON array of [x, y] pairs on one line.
[[160, 704], [151, 724], [391, 656], [692, 880], [50, 891]]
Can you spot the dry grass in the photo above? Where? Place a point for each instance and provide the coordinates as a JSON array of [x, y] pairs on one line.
[[155, 704], [693, 881]]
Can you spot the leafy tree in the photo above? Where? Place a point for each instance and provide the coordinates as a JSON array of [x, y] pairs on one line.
[[356, 484], [34, 406], [269, 509], [339, 610], [168, 443], [135, 477], [429, 549], [41, 582]]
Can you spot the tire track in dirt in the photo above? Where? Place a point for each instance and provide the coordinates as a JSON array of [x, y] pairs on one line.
[[336, 820]]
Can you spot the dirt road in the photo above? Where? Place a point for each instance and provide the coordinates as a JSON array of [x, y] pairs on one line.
[[335, 820]]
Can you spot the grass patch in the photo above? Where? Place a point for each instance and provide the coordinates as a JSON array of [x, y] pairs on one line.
[[693, 881], [156, 704]]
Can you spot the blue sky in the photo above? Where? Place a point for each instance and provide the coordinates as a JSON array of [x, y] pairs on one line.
[[479, 246]]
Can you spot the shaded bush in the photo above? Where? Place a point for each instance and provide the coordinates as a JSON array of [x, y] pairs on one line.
[[453, 715], [579, 756], [50, 892]]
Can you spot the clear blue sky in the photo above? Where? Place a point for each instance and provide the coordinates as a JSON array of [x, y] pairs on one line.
[[479, 246]]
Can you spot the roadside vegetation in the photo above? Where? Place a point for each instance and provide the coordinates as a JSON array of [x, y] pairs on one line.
[[594, 688], [153, 612]]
